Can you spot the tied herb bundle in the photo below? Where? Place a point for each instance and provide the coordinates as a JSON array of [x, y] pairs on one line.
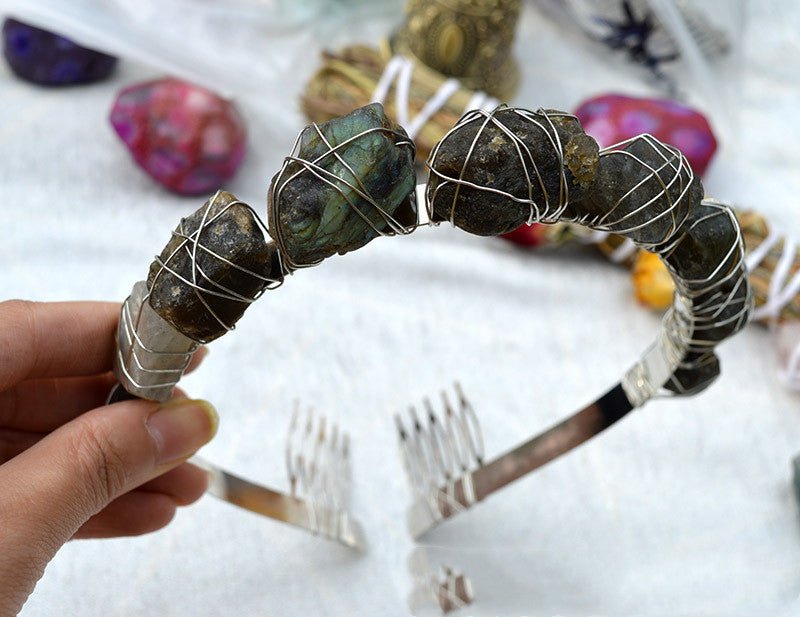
[[349, 79]]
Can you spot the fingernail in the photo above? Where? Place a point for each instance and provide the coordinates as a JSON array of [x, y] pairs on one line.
[[181, 426]]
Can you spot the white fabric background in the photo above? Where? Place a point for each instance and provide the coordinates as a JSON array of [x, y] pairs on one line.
[[685, 508]]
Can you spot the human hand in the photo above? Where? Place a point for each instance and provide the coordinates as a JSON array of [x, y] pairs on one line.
[[71, 467]]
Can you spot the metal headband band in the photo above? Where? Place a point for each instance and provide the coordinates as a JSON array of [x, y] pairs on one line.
[[352, 179], [642, 189]]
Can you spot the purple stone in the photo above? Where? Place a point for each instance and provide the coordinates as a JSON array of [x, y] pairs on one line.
[[48, 59]]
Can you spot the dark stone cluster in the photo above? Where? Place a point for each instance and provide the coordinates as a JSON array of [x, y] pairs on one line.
[[48, 59], [230, 247], [654, 199], [711, 273], [645, 190], [350, 180], [696, 372], [487, 173]]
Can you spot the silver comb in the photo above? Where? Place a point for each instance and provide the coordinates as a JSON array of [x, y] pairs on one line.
[[444, 457], [318, 468], [440, 453]]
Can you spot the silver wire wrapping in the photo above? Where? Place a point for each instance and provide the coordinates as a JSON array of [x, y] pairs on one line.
[[155, 340], [319, 171], [640, 188], [151, 354], [544, 202]]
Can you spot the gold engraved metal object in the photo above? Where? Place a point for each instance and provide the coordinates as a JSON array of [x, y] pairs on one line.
[[470, 40]]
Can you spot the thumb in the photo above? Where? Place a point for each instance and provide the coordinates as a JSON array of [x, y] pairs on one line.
[[51, 489]]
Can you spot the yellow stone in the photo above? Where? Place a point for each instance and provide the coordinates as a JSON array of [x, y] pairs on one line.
[[652, 281]]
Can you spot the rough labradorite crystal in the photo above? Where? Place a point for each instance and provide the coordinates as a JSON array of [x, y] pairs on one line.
[[314, 215], [625, 182], [49, 59], [644, 190], [236, 238], [495, 163]]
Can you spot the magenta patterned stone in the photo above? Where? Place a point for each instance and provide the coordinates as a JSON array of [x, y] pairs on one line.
[[611, 118], [185, 137]]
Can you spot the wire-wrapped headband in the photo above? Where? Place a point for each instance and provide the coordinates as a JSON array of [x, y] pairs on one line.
[[352, 179]]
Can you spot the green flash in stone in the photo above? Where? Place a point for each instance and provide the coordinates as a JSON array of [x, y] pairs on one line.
[[348, 180]]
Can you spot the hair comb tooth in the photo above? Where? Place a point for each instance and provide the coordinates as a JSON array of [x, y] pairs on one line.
[[317, 459], [442, 452]]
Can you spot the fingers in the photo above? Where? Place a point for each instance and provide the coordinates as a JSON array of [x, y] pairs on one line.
[[42, 405], [55, 339], [14, 442], [133, 514], [33, 425], [148, 508], [184, 484], [53, 488]]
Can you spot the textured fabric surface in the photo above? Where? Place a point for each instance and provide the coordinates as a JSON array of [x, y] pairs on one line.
[[685, 508]]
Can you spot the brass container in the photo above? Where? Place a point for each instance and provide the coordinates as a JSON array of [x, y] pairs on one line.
[[467, 39]]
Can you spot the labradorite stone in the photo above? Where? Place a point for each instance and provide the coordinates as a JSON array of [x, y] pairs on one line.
[[238, 240], [626, 187], [514, 153], [317, 214]]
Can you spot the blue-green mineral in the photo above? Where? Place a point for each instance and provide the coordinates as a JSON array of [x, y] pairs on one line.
[[348, 181]]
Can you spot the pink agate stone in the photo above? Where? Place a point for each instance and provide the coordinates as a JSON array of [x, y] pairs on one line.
[[185, 137], [612, 118]]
